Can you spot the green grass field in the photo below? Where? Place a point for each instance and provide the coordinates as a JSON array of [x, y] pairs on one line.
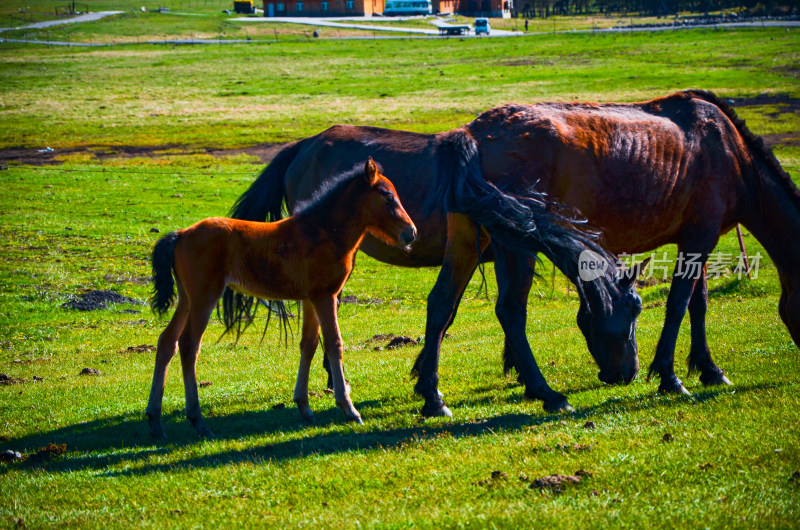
[[84, 222]]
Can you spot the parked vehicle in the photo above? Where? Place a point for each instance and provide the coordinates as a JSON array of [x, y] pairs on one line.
[[244, 6], [408, 7], [482, 26]]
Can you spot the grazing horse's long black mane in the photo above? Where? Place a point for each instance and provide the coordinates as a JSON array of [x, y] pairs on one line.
[[528, 225]]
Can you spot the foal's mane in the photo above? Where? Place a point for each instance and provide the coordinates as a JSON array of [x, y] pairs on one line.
[[326, 194], [754, 142]]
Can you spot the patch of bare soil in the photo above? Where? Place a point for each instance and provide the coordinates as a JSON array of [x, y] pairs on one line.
[[558, 482], [6, 380], [784, 101], [352, 299], [789, 140], [46, 454], [94, 300], [142, 348], [40, 157], [395, 341], [399, 342]]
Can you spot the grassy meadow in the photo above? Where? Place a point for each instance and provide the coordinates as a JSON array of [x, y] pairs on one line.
[[130, 127]]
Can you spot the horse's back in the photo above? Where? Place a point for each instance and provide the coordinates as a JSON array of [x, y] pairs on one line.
[[406, 158], [637, 171]]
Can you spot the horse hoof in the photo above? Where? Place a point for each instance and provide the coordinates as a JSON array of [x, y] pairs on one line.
[[716, 380], [678, 389], [558, 405], [205, 432], [436, 411], [158, 434], [357, 419]]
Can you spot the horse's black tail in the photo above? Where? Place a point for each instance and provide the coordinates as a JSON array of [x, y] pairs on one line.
[[237, 311], [162, 261], [264, 199], [525, 224]]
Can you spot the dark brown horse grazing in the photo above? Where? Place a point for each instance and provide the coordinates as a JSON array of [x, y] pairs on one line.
[[444, 170], [306, 257], [679, 169]]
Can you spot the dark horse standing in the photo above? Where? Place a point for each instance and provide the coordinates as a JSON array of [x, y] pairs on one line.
[[450, 178], [681, 169]]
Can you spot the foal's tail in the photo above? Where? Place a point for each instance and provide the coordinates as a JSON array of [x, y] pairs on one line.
[[162, 260]]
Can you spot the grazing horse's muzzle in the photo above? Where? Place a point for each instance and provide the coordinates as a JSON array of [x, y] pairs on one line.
[[622, 375], [618, 377]]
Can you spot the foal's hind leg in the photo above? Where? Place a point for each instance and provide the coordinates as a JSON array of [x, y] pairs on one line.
[[699, 354], [332, 340], [308, 346], [189, 344], [167, 345]]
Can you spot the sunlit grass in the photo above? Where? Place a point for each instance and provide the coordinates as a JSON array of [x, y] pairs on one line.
[[279, 92], [90, 221]]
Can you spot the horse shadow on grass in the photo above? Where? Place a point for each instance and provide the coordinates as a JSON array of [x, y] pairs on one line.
[[123, 441]]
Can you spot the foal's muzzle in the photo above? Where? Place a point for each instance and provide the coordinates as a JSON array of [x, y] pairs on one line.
[[408, 236]]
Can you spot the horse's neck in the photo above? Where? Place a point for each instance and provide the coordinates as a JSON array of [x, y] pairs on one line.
[[773, 216], [344, 231]]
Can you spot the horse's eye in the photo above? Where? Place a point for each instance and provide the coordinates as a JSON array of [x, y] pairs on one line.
[[389, 198]]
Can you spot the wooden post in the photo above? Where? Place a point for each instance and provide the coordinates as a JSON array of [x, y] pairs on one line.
[[743, 250]]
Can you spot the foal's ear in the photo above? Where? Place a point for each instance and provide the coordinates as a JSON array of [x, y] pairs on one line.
[[371, 171]]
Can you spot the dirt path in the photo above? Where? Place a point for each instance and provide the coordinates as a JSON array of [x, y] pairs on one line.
[[37, 157], [88, 17]]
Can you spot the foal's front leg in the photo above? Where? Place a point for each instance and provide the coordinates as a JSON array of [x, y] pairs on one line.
[[308, 346], [332, 341]]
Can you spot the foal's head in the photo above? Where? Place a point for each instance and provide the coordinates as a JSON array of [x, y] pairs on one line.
[[385, 217]]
